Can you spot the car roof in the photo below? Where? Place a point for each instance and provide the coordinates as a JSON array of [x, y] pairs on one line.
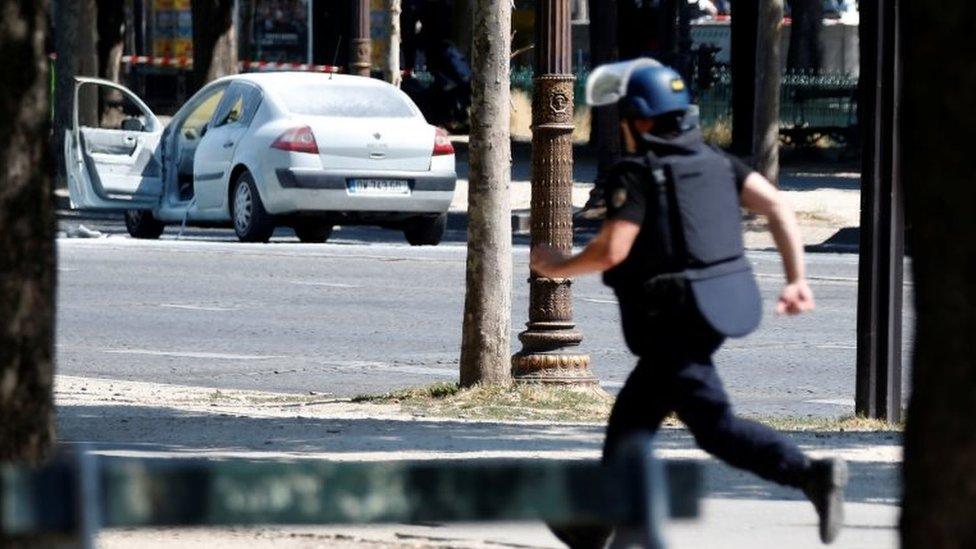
[[277, 80]]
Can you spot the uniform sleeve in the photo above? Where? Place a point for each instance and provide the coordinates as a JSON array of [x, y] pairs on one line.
[[742, 171], [624, 192]]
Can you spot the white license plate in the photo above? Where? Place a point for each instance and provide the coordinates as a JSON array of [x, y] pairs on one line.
[[384, 187]]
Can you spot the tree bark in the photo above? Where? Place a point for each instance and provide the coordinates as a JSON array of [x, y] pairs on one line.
[[485, 343], [75, 41], [805, 34], [27, 262], [745, 29], [769, 76], [111, 35], [940, 442], [393, 47], [214, 40]]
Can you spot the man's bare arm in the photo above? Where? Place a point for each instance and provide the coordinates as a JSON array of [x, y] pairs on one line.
[[609, 248], [761, 197]]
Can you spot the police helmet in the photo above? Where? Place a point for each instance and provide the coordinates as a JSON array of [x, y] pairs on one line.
[[644, 88]]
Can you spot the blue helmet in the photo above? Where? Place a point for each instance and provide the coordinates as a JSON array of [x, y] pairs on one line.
[[643, 88]]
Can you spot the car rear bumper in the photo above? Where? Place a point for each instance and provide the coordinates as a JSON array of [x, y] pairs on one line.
[[297, 190]]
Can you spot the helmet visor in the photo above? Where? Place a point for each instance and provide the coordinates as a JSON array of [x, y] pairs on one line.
[[608, 83]]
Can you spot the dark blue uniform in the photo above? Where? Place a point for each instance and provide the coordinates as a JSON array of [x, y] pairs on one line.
[[675, 328]]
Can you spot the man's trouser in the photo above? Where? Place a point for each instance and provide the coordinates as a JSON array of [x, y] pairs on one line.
[[675, 373]]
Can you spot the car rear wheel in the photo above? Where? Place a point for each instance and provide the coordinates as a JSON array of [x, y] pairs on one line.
[[425, 231], [142, 224], [313, 232], [252, 222]]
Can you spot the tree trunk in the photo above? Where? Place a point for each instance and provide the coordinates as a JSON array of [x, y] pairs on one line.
[[745, 29], [485, 343], [111, 35], [214, 40], [26, 237], [75, 45], [805, 35], [393, 47], [940, 442], [769, 75], [605, 127]]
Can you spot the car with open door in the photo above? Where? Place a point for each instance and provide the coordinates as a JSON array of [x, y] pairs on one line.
[[262, 150]]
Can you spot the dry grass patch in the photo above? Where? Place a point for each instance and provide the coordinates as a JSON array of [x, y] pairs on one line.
[[517, 402], [506, 402]]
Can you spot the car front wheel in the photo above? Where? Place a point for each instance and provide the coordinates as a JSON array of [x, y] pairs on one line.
[[252, 222], [142, 224], [425, 231]]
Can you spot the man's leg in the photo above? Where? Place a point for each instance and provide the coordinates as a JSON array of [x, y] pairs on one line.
[[640, 406], [704, 407]]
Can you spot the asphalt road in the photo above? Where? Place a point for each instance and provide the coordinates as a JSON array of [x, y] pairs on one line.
[[366, 313]]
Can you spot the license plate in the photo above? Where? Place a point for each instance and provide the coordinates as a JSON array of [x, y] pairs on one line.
[[384, 187]]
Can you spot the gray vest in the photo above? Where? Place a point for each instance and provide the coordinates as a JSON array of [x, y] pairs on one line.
[[696, 237]]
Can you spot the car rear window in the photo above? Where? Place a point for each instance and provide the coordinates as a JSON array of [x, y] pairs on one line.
[[345, 101]]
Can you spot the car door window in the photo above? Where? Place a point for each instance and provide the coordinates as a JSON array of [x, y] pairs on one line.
[[200, 115], [238, 106]]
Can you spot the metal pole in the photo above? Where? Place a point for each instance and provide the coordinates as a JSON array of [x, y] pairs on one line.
[[880, 274], [745, 42], [360, 61], [310, 34], [549, 344]]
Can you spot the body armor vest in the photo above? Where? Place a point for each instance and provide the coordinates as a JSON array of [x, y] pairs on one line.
[[692, 237]]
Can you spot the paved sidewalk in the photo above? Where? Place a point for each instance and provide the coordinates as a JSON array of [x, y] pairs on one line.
[[148, 419]]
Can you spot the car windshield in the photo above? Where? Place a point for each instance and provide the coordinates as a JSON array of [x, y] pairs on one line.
[[344, 101]]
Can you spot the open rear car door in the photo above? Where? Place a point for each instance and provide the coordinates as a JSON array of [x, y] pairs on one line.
[[113, 160]]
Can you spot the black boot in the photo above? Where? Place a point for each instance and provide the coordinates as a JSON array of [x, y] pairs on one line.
[[825, 488]]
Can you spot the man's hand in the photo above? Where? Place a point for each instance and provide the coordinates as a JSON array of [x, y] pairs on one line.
[[796, 298], [544, 258]]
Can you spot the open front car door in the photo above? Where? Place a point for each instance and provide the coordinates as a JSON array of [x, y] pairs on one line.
[[111, 150]]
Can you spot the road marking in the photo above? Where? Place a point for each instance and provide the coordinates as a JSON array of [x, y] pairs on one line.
[[595, 300], [190, 354], [197, 307], [846, 402], [323, 284]]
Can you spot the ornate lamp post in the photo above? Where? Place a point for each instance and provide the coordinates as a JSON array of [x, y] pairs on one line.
[[361, 46], [550, 343]]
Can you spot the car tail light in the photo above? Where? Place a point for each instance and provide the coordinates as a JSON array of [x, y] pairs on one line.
[[297, 140], [442, 143]]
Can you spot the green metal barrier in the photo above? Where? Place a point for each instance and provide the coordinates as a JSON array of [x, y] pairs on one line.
[[79, 493]]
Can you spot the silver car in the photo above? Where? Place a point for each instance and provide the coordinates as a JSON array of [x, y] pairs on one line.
[[257, 151]]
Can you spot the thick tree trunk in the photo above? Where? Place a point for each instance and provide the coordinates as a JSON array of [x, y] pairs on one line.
[[769, 76], [111, 35], [75, 42], [940, 441], [805, 35], [745, 29], [214, 40], [485, 344], [392, 68], [605, 127], [26, 236]]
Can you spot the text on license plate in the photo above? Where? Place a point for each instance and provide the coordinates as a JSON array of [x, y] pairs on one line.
[[379, 186]]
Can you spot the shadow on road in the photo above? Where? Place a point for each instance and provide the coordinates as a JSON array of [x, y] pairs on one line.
[[178, 433]]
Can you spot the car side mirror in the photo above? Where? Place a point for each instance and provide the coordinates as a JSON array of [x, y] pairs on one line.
[[133, 125]]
